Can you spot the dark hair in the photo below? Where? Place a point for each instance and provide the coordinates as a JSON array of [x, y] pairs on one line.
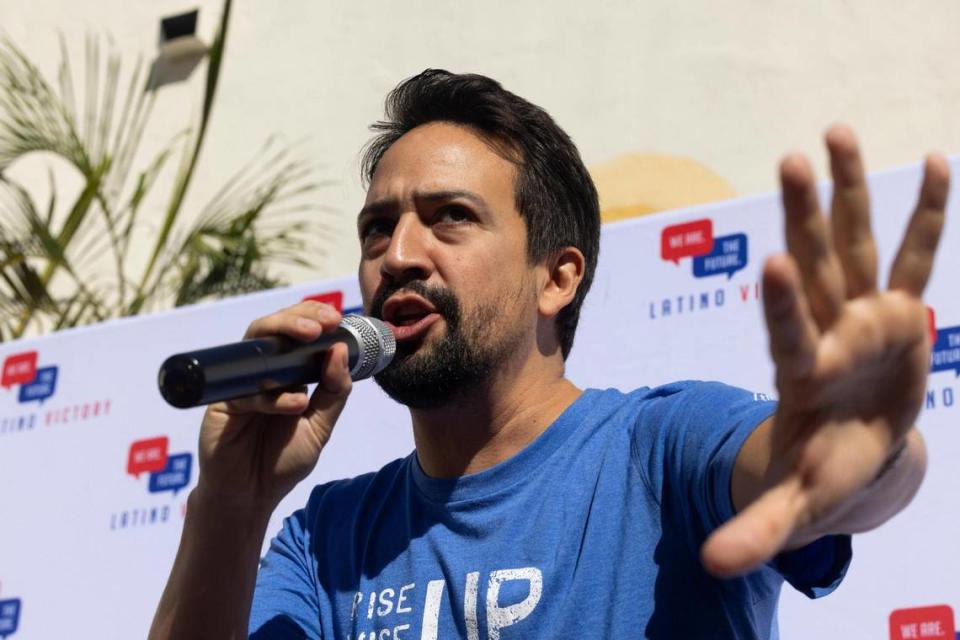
[[554, 192]]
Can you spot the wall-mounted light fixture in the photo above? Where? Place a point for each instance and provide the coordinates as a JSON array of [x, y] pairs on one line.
[[178, 36]]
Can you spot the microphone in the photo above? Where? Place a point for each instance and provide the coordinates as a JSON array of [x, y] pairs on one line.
[[262, 364]]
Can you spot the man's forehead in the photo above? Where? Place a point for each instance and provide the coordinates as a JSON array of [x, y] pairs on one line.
[[441, 156]]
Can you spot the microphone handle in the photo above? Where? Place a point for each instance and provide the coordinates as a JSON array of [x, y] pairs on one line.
[[248, 367]]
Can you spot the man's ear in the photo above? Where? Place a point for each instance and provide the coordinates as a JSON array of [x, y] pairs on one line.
[[564, 271]]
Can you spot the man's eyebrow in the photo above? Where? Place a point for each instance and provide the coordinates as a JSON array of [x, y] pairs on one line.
[[381, 207], [450, 194], [389, 205]]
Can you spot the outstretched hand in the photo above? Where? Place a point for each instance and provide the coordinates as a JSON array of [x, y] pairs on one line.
[[851, 368]]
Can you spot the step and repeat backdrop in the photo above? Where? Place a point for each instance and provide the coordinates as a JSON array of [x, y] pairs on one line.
[[95, 468]]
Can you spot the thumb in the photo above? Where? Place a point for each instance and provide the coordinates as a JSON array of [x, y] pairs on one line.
[[331, 393], [757, 534]]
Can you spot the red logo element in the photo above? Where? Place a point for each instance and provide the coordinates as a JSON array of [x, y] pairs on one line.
[[932, 325], [922, 622], [332, 298], [148, 455], [19, 368], [686, 240]]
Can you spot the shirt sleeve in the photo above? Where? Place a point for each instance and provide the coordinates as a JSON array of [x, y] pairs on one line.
[[686, 441], [285, 605], [818, 568]]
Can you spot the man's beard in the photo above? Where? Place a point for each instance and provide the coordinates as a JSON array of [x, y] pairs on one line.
[[461, 360]]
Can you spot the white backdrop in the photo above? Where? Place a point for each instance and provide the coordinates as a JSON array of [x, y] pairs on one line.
[[95, 467]]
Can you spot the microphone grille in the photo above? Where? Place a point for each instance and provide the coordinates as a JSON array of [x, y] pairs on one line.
[[377, 345]]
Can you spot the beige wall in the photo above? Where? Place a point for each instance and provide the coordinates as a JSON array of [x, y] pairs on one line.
[[718, 89]]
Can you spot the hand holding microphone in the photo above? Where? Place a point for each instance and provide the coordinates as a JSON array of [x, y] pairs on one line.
[[256, 365], [254, 449]]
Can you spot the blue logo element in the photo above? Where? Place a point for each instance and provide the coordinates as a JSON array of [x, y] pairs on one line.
[[946, 351], [42, 386], [729, 255], [9, 616], [355, 310], [174, 476]]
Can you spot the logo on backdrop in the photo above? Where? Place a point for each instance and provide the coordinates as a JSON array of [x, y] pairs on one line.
[[36, 384], [166, 473], [334, 299], [33, 382], [9, 616], [723, 255], [930, 623], [944, 360], [713, 259]]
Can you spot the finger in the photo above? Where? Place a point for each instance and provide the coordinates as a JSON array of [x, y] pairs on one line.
[[303, 321], [793, 333], [850, 213], [808, 241], [279, 402], [331, 393], [757, 534], [914, 261]]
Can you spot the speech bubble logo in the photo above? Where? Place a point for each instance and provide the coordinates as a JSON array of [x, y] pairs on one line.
[[147, 456], [19, 368], [729, 255], [332, 298], [42, 387], [945, 355], [9, 616], [174, 476], [923, 622], [932, 324], [686, 240]]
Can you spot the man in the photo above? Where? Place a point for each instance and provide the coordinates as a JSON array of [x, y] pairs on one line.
[[530, 508]]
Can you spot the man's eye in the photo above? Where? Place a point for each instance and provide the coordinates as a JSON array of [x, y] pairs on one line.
[[452, 213], [374, 228]]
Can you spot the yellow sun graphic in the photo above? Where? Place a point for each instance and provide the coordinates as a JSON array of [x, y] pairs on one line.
[[640, 183]]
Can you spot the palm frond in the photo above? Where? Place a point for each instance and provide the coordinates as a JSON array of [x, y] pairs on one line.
[[240, 234], [51, 273], [185, 177], [27, 244], [32, 116], [21, 216]]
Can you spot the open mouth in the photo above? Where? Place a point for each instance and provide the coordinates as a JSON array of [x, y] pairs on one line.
[[408, 316]]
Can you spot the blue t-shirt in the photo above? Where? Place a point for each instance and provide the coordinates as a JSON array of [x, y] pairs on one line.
[[592, 531]]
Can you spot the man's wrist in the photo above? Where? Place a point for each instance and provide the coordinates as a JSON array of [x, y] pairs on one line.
[[228, 508]]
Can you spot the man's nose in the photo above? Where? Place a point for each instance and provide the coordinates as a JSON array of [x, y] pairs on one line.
[[408, 256]]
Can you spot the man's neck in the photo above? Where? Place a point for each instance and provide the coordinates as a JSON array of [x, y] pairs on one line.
[[491, 424]]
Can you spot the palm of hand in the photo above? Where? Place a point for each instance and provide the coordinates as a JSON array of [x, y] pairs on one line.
[[837, 423], [851, 362]]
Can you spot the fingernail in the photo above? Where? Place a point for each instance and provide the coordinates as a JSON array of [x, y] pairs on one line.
[[346, 360]]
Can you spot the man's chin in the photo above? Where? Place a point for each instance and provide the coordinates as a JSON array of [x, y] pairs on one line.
[[408, 356], [406, 386], [425, 374]]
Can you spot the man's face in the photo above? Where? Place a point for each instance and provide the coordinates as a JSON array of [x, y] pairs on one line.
[[443, 260]]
